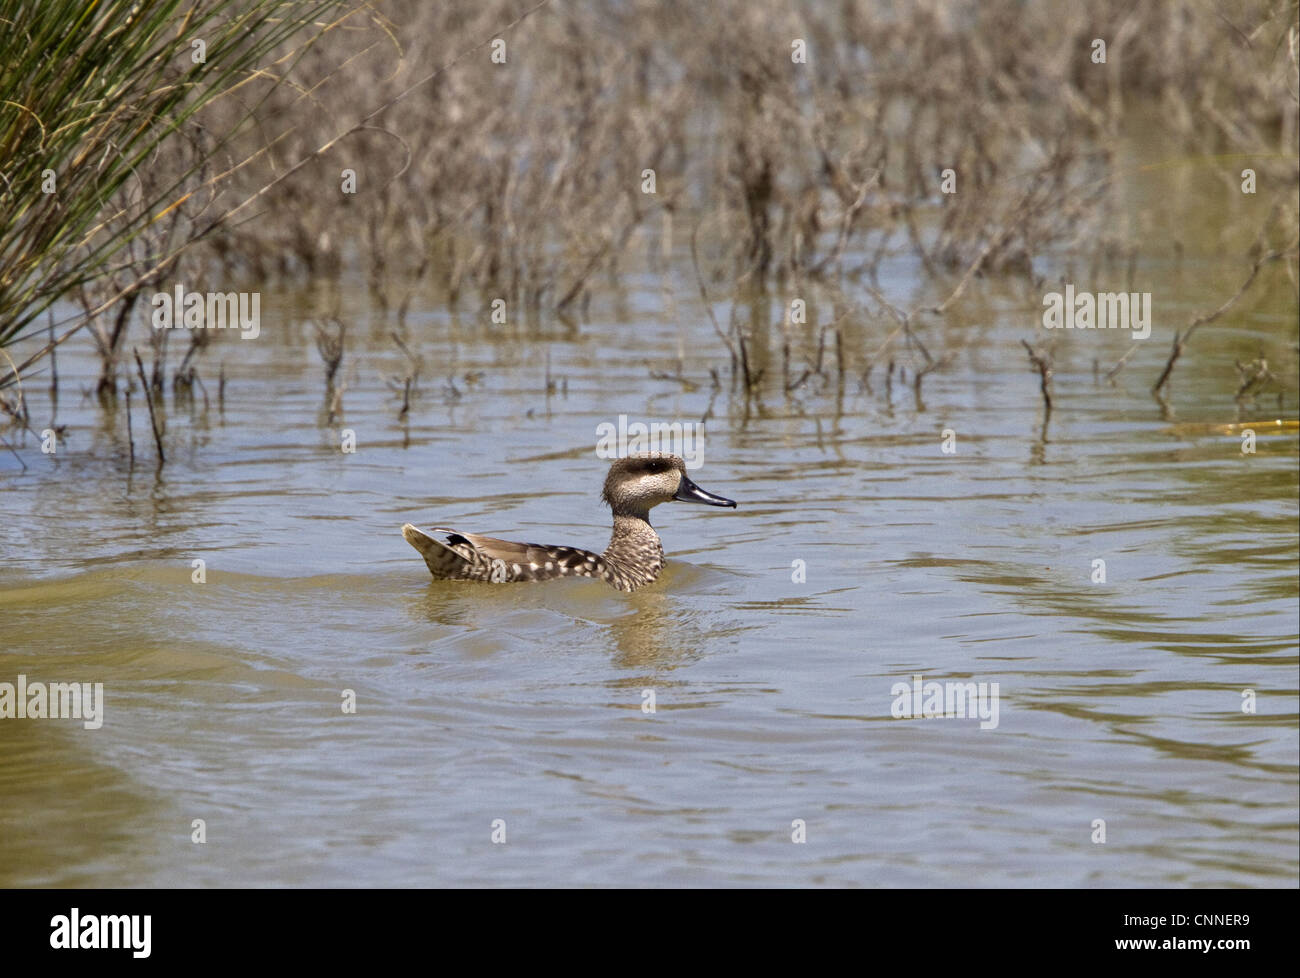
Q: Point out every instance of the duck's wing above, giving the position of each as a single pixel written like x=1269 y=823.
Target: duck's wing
x=473 y=556
x=531 y=561
x=446 y=562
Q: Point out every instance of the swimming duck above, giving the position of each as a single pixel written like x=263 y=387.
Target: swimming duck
x=634 y=556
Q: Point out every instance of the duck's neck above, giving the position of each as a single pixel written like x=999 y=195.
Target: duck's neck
x=634 y=555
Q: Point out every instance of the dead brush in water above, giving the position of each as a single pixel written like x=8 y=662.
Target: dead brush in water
x=800 y=146
x=974 y=138
x=330 y=337
x=526 y=180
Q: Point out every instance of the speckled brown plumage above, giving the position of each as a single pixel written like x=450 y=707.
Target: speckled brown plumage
x=633 y=558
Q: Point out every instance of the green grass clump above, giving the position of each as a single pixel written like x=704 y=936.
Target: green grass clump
x=98 y=141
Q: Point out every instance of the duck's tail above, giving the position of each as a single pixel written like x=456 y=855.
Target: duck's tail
x=445 y=564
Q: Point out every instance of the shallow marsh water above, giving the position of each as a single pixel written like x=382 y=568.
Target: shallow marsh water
x=1118 y=701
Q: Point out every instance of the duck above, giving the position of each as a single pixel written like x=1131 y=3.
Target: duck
x=635 y=556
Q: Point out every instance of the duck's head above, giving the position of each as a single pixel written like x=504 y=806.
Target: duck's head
x=638 y=482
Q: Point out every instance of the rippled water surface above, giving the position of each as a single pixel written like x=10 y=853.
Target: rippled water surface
x=1120 y=701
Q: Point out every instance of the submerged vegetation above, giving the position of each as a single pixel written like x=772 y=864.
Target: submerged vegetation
x=530 y=154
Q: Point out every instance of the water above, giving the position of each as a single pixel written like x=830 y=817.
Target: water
x=1119 y=701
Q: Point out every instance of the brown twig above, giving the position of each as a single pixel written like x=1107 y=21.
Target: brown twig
x=1113 y=372
x=330 y=347
x=148 y=399
x=1181 y=338
x=1042 y=360
x=130 y=435
x=1253 y=375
